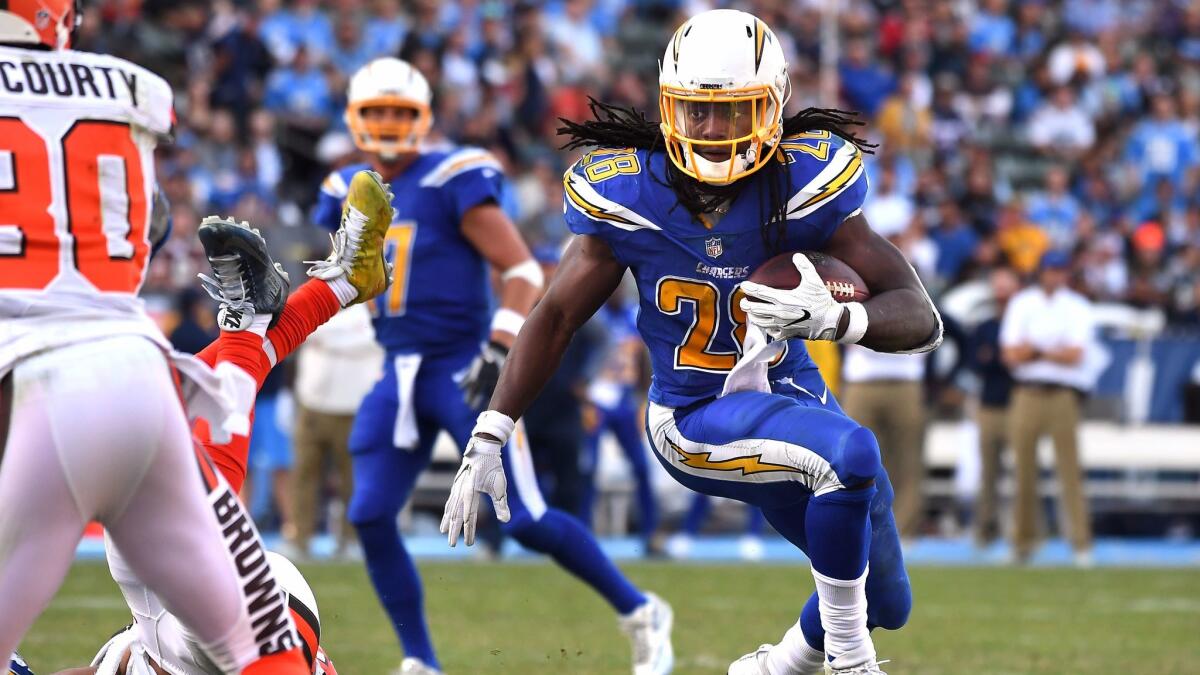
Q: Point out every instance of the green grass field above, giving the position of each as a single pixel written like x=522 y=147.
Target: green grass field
x=532 y=618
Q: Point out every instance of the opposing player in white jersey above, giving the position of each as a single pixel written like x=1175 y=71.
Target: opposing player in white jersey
x=92 y=425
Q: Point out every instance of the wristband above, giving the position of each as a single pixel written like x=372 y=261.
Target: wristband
x=857 y=328
x=507 y=321
x=495 y=424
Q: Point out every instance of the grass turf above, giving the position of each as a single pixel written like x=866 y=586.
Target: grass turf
x=532 y=618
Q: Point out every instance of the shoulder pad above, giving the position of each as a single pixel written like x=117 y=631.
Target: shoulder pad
x=337 y=183
x=458 y=162
x=604 y=186
x=822 y=165
x=149 y=98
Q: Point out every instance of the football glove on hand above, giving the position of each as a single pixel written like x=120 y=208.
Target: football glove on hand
x=481 y=471
x=480 y=378
x=807 y=311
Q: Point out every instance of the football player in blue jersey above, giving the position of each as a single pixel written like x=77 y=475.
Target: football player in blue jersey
x=692 y=206
x=448 y=228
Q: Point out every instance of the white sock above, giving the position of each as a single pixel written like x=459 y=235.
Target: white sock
x=345 y=292
x=794 y=656
x=844 y=618
x=259 y=325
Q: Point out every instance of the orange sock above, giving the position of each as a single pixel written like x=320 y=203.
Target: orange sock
x=307 y=308
x=290 y=662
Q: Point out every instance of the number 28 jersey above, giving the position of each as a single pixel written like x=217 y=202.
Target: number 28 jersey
x=687 y=269
x=77 y=138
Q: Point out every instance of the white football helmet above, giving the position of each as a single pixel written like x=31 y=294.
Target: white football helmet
x=303 y=606
x=722 y=85
x=388 y=83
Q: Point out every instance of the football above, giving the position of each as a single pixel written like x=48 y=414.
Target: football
x=843 y=282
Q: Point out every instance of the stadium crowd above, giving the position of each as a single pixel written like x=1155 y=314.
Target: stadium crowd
x=1005 y=128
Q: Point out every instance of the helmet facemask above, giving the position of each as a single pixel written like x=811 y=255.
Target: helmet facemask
x=389 y=126
x=720 y=135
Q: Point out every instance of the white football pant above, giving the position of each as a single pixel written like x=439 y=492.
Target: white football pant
x=96 y=431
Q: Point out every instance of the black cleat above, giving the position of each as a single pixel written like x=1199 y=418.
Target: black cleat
x=247 y=282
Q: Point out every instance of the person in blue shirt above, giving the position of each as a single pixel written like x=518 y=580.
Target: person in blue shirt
x=443 y=357
x=691 y=207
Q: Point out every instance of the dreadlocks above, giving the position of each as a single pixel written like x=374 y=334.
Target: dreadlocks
x=622 y=127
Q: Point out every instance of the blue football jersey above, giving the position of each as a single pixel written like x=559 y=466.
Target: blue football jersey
x=439 y=300
x=687 y=269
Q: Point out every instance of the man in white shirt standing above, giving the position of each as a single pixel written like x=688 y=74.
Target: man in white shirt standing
x=1044 y=337
x=337 y=367
x=885 y=393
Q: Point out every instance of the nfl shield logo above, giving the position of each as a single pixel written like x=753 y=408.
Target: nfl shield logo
x=713 y=247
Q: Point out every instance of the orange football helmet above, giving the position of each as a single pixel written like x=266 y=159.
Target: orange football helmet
x=45 y=23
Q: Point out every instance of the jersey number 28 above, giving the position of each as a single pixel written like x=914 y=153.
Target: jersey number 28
x=696 y=350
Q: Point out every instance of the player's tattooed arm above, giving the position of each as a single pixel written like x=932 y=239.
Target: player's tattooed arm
x=586 y=277
x=900 y=315
x=497 y=240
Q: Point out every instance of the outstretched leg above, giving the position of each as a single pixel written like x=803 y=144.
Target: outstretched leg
x=384 y=477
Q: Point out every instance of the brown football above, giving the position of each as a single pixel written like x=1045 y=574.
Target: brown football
x=842 y=281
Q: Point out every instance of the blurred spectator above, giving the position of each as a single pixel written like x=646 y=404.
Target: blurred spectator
x=269 y=466
x=993 y=31
x=299 y=94
x=1060 y=127
x=1149 y=279
x=956 y=243
x=197 y=323
x=949 y=127
x=384 y=28
x=1022 y=242
x=992 y=414
x=888 y=210
x=1076 y=59
x=1044 y=337
x=336 y=367
x=350 y=51
x=1055 y=210
x=865 y=82
x=1160 y=147
x=983 y=103
x=579 y=45
x=904 y=124
x=288 y=30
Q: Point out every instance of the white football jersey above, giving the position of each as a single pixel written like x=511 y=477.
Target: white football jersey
x=77 y=138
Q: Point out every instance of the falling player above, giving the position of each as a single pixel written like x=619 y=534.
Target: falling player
x=93 y=423
x=449 y=228
x=692 y=207
x=261 y=325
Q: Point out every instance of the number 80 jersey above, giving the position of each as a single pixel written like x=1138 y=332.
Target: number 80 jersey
x=77 y=138
x=687 y=269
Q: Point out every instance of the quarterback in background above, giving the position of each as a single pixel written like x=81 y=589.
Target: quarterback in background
x=692 y=206
x=94 y=404
x=443 y=358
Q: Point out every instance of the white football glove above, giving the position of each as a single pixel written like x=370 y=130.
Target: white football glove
x=481 y=471
x=807 y=311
